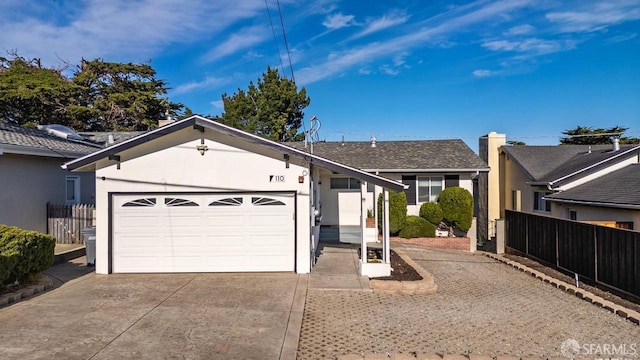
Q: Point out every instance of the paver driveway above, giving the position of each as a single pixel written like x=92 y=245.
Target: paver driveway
x=157 y=316
x=481 y=307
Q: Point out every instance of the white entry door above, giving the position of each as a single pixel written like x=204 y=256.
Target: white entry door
x=203 y=233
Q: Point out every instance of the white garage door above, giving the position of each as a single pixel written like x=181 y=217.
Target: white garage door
x=203 y=233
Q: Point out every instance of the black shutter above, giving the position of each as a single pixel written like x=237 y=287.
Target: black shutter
x=411 y=191
x=451 y=181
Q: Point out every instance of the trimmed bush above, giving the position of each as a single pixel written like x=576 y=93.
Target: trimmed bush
x=432 y=212
x=24 y=254
x=415 y=227
x=397 y=211
x=457 y=207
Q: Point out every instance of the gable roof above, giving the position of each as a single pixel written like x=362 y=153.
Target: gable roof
x=401 y=156
x=616 y=189
x=560 y=164
x=200 y=123
x=16 y=139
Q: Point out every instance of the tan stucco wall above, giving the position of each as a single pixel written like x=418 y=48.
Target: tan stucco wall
x=513 y=178
x=230 y=165
x=27 y=183
x=490 y=153
x=594 y=213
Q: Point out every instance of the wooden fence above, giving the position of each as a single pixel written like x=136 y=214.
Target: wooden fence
x=65 y=222
x=604 y=255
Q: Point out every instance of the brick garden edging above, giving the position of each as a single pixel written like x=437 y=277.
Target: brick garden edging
x=425 y=286
x=583 y=294
x=44 y=283
x=446 y=243
x=402 y=356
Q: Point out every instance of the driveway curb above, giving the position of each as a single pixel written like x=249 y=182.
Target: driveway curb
x=425 y=286
x=292 y=336
x=583 y=294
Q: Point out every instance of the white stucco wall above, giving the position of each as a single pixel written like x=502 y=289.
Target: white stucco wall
x=28 y=182
x=342 y=207
x=172 y=164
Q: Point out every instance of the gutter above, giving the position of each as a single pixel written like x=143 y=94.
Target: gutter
x=23 y=150
x=594 y=203
x=425 y=170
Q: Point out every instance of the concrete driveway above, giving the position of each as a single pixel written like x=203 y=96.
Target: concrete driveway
x=186 y=316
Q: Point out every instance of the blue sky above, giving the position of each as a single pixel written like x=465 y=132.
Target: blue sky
x=397 y=70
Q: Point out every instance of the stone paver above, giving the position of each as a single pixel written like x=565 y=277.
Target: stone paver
x=482 y=307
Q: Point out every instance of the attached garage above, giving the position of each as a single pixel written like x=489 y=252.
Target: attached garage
x=230 y=232
x=200 y=196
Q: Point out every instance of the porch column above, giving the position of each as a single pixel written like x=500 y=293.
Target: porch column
x=385 y=228
x=363 y=221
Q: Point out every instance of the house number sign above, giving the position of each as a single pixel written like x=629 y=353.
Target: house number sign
x=276 y=178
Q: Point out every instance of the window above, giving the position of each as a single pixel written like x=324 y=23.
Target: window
x=235 y=201
x=262 y=201
x=573 y=215
x=540 y=204
x=173 y=202
x=345 y=183
x=72 y=190
x=429 y=188
x=146 y=202
x=624 y=225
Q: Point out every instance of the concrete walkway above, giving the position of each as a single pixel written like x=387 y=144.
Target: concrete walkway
x=337 y=269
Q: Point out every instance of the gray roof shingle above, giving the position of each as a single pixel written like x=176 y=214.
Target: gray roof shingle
x=34 y=139
x=446 y=155
x=619 y=189
x=552 y=163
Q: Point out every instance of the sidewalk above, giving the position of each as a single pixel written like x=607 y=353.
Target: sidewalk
x=337 y=269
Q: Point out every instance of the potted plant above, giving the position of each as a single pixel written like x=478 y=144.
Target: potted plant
x=371 y=221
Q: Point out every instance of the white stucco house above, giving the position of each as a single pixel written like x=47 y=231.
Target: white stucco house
x=200 y=196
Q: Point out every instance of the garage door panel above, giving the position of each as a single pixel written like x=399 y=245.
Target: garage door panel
x=186 y=233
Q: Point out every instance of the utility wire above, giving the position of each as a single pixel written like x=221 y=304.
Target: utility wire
x=275 y=39
x=286 y=43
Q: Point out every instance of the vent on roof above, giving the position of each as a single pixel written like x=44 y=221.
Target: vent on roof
x=60 y=131
x=373 y=141
x=616 y=144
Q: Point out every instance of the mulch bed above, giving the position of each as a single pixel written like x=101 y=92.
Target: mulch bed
x=628 y=303
x=401 y=271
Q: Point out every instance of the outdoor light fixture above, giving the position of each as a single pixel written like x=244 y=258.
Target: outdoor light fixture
x=202 y=147
x=115 y=158
x=286 y=160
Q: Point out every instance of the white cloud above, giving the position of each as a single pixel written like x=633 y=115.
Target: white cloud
x=597 y=16
x=624 y=37
x=520 y=30
x=207 y=83
x=390 y=19
x=243 y=39
x=364 y=71
x=337 y=21
x=484 y=73
x=340 y=62
x=533 y=45
x=218 y=104
x=133 y=30
x=389 y=71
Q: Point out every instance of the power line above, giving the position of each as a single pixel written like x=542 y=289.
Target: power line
x=286 y=43
x=275 y=39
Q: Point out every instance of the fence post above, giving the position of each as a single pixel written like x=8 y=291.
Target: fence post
x=500 y=236
x=595 y=253
x=557 y=245
x=526 y=235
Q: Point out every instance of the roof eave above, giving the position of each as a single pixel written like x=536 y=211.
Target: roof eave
x=434 y=170
x=595 y=203
x=26 y=150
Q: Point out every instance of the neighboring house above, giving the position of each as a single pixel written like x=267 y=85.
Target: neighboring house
x=610 y=200
x=200 y=196
x=543 y=179
x=31 y=177
x=426 y=166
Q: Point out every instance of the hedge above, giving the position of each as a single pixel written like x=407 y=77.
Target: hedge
x=397 y=211
x=432 y=212
x=416 y=227
x=23 y=253
x=457 y=207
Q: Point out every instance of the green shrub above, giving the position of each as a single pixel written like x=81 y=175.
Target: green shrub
x=24 y=254
x=432 y=212
x=397 y=211
x=457 y=207
x=415 y=227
